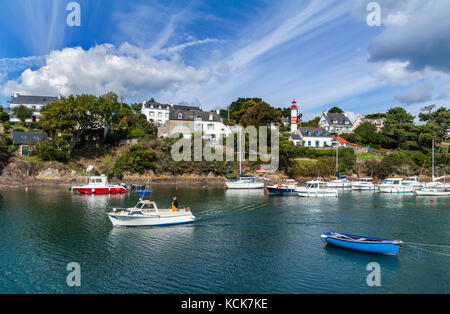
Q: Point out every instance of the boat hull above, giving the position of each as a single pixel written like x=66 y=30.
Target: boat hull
x=395 y=190
x=356 y=187
x=244 y=185
x=316 y=193
x=431 y=193
x=141 y=221
x=99 y=191
x=283 y=191
x=385 y=247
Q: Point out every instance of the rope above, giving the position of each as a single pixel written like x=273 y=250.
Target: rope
x=423 y=244
x=433 y=251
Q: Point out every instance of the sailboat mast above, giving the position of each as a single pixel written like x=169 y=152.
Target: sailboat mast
x=240 y=153
x=432 y=167
x=337 y=162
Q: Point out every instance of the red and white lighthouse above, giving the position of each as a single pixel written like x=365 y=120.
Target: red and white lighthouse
x=294 y=117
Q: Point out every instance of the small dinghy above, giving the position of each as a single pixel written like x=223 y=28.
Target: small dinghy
x=362 y=243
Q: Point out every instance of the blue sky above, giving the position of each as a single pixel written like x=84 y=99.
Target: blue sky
x=210 y=52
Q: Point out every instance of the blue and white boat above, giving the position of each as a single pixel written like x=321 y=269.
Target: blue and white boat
x=362 y=243
x=286 y=187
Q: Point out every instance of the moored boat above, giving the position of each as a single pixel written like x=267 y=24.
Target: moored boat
x=244 y=182
x=286 y=187
x=146 y=213
x=394 y=186
x=341 y=183
x=431 y=192
x=316 y=189
x=362 y=243
x=99 y=185
x=413 y=182
x=364 y=184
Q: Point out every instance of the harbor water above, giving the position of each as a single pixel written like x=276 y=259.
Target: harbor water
x=242 y=242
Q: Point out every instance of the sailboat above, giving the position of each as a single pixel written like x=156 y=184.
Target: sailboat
x=434 y=188
x=341 y=182
x=244 y=182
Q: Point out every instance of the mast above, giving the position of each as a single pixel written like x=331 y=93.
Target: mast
x=432 y=167
x=337 y=162
x=240 y=153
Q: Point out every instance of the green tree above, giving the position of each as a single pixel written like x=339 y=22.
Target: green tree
x=335 y=110
x=440 y=118
x=136 y=159
x=52 y=150
x=4 y=153
x=399 y=125
x=260 y=114
x=22 y=113
x=136 y=107
x=314 y=123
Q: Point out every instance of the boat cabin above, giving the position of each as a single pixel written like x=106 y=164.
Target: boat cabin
x=99 y=180
x=365 y=180
x=411 y=179
x=392 y=182
x=316 y=185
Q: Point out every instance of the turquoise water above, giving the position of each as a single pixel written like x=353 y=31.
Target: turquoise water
x=243 y=242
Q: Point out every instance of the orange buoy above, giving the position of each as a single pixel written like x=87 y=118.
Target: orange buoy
x=432 y=200
x=356 y=200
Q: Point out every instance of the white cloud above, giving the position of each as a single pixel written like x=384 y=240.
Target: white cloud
x=396 y=73
x=126 y=70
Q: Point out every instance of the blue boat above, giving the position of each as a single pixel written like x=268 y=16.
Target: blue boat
x=141 y=193
x=362 y=243
x=286 y=187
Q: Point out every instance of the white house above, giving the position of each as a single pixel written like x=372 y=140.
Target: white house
x=315 y=137
x=32 y=102
x=155 y=112
x=336 y=123
x=185 y=120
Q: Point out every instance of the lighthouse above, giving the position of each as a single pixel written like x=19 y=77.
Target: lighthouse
x=294 y=117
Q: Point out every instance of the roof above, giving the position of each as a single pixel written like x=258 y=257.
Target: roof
x=191 y=115
x=339 y=117
x=20 y=138
x=314 y=132
x=342 y=140
x=295 y=137
x=32 y=100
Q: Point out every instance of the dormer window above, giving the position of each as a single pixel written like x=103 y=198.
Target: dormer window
x=335 y=121
x=325 y=133
x=210 y=117
x=180 y=116
x=309 y=133
x=317 y=133
x=346 y=122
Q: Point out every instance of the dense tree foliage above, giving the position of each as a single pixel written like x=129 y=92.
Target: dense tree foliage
x=336 y=110
x=22 y=113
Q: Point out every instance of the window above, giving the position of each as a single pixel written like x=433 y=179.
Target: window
x=309 y=143
x=325 y=143
x=167 y=116
x=180 y=116
x=317 y=133
x=317 y=144
x=191 y=126
x=210 y=127
x=159 y=114
x=210 y=117
x=309 y=133
x=325 y=133
x=152 y=114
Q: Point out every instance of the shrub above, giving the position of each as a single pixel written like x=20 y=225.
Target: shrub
x=136 y=159
x=51 y=150
x=137 y=133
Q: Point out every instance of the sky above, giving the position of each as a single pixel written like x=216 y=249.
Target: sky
x=211 y=52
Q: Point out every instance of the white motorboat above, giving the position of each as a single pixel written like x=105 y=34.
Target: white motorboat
x=340 y=184
x=431 y=192
x=394 y=185
x=413 y=182
x=364 y=184
x=317 y=189
x=244 y=183
x=146 y=213
x=286 y=187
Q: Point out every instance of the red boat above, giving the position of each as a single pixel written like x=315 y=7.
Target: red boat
x=99 y=185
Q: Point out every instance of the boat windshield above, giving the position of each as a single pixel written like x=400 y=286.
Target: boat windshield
x=312 y=185
x=139 y=205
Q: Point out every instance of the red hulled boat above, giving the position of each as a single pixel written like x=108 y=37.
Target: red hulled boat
x=99 y=185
